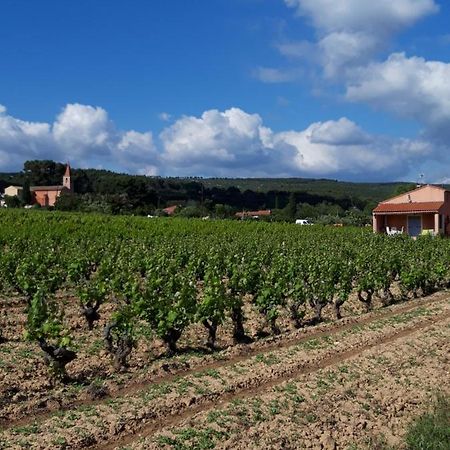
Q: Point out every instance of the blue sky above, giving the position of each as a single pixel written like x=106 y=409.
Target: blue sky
x=353 y=90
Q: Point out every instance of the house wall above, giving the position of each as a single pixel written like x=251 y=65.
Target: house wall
x=428 y=222
x=400 y=221
x=13 y=191
x=397 y=221
x=40 y=197
x=425 y=194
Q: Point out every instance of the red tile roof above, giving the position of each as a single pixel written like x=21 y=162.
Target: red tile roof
x=46 y=188
x=413 y=207
x=67 y=172
x=170 y=210
x=264 y=212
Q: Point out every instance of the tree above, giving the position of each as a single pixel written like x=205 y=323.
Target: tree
x=68 y=201
x=291 y=207
x=403 y=188
x=27 y=198
x=44 y=173
x=12 y=201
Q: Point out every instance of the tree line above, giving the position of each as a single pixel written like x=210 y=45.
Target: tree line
x=116 y=193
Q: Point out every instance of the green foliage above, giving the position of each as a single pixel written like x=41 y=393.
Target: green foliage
x=13 y=201
x=27 y=197
x=431 y=431
x=164 y=274
x=105 y=192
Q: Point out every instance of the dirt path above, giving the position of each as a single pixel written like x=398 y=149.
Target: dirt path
x=143 y=410
x=262 y=385
x=236 y=354
x=365 y=402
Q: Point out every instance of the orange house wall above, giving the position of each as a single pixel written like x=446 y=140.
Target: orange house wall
x=396 y=221
x=428 y=222
x=425 y=194
x=52 y=196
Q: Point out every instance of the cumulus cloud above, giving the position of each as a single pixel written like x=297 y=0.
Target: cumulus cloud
x=350 y=37
x=165 y=117
x=381 y=16
x=273 y=75
x=341 y=147
x=408 y=87
x=235 y=143
x=351 y=32
x=230 y=143
x=82 y=134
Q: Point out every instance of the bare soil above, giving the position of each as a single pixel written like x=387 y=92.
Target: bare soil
x=293 y=391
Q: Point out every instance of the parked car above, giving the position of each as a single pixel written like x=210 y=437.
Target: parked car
x=303 y=222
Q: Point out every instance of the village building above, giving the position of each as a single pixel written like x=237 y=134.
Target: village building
x=171 y=210
x=44 y=195
x=425 y=210
x=47 y=195
x=12 y=191
x=253 y=214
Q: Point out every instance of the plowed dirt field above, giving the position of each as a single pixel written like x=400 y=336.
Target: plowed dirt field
x=341 y=385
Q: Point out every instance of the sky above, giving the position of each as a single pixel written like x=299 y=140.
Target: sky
x=351 y=90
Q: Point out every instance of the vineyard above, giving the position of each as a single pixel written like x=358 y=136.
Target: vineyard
x=96 y=306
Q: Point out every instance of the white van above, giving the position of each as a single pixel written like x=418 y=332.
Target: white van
x=303 y=222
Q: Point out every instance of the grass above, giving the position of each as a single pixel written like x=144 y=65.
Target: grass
x=431 y=431
x=268 y=360
x=29 y=429
x=192 y=439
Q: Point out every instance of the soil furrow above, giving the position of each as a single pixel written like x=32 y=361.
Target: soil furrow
x=244 y=353
x=216 y=400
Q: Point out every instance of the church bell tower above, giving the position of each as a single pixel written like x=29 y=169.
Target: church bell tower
x=67 y=181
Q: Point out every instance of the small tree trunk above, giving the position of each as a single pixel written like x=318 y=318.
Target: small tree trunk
x=57 y=358
x=367 y=300
x=107 y=336
x=318 y=307
x=211 y=326
x=120 y=349
x=337 y=308
x=386 y=297
x=296 y=316
x=237 y=317
x=91 y=315
x=274 y=327
x=121 y=352
x=170 y=339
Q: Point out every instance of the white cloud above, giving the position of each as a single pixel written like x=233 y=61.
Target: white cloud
x=340 y=132
x=341 y=147
x=227 y=143
x=408 y=87
x=83 y=129
x=380 y=16
x=165 y=117
x=82 y=134
x=234 y=143
x=351 y=32
x=218 y=143
x=272 y=75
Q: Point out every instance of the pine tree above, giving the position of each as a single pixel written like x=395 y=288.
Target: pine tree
x=26 y=193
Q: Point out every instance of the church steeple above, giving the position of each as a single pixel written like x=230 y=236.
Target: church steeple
x=67 y=181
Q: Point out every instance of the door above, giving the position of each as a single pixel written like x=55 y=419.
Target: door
x=414 y=225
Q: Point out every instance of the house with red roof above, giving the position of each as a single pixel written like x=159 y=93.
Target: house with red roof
x=425 y=210
x=170 y=210
x=254 y=214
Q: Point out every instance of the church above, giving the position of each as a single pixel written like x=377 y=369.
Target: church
x=47 y=195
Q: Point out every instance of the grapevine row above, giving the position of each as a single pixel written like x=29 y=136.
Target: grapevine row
x=162 y=276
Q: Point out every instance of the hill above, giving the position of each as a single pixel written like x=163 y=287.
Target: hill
x=118 y=193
